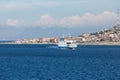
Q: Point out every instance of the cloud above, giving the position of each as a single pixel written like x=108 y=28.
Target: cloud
x=14 y=22
x=12 y=5
x=87 y=19
x=26 y=4
x=47 y=20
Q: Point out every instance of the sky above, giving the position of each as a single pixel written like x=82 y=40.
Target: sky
x=53 y=18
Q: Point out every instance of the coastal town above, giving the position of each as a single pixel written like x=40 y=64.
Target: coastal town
x=111 y=35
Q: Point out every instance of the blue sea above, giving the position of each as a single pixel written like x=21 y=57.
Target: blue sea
x=47 y=62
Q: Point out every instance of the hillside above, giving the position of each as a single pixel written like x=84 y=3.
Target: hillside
x=107 y=35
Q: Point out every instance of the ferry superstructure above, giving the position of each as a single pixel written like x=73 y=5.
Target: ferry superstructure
x=71 y=44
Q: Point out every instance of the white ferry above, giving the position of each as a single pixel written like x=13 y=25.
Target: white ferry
x=71 y=44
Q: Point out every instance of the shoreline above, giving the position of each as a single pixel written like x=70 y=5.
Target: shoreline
x=86 y=43
x=100 y=43
x=27 y=43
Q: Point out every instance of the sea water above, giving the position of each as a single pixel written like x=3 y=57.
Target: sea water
x=47 y=62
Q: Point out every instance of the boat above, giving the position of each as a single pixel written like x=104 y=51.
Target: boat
x=64 y=43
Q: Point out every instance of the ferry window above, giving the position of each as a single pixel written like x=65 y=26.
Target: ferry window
x=68 y=43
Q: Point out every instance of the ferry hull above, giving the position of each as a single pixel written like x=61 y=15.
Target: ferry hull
x=70 y=44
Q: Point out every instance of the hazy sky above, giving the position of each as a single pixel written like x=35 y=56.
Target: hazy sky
x=38 y=18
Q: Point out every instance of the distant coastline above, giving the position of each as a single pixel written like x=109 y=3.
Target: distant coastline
x=86 y=43
x=105 y=37
x=100 y=43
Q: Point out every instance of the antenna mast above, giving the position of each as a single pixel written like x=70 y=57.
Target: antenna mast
x=118 y=17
